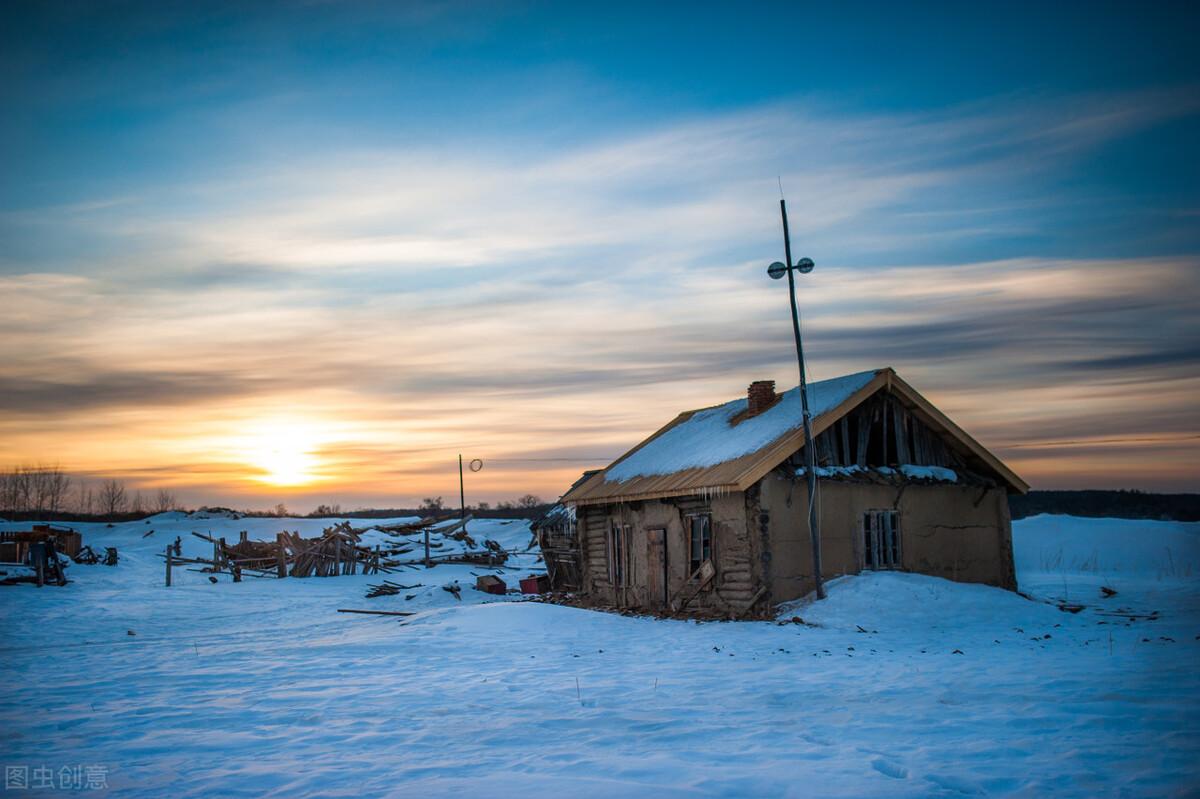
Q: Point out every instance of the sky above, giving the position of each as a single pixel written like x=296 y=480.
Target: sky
x=312 y=252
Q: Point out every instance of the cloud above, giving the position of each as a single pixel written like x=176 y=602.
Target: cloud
x=416 y=298
x=144 y=389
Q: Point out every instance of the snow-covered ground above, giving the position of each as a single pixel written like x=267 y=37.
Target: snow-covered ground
x=897 y=685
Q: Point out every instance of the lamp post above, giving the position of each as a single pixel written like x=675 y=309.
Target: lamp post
x=776 y=271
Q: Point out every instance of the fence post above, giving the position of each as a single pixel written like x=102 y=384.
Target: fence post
x=168 y=565
x=37 y=553
x=281 y=564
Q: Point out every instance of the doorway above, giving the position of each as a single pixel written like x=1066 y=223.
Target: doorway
x=658 y=586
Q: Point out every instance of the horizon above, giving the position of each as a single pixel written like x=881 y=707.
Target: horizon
x=307 y=254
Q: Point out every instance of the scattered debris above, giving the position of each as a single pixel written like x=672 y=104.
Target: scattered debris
x=388 y=588
x=490 y=584
x=86 y=556
x=14 y=544
x=37 y=554
x=338 y=550
x=454 y=588
x=1107 y=592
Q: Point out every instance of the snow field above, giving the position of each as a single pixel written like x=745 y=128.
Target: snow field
x=260 y=688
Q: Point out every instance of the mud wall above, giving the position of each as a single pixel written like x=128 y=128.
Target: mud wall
x=958 y=532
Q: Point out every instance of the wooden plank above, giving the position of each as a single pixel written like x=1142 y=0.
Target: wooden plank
x=694 y=585
x=377 y=612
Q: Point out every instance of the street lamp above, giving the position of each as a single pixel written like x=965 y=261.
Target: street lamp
x=777 y=270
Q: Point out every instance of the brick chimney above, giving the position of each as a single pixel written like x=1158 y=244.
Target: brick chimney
x=761 y=395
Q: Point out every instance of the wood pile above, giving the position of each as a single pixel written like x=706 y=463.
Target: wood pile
x=88 y=557
x=388 y=588
x=15 y=544
x=339 y=550
x=336 y=551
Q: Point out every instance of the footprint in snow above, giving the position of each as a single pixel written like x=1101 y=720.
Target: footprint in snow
x=889 y=768
x=955 y=784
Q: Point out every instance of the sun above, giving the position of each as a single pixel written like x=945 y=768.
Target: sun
x=285 y=452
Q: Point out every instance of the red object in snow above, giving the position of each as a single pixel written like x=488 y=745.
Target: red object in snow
x=491 y=584
x=535 y=585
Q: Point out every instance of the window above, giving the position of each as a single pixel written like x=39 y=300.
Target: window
x=881 y=539
x=701 y=540
x=618 y=555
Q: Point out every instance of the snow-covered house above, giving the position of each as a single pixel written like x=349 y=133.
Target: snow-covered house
x=710 y=514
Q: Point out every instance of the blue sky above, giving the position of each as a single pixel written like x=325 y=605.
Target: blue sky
x=538 y=230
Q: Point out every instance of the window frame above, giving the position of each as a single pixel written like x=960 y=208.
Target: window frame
x=882 y=539
x=706 y=541
x=619 y=535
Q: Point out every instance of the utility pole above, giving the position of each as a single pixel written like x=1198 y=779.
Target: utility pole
x=776 y=271
x=462 y=496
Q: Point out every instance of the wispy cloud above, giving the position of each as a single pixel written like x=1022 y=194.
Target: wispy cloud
x=418 y=299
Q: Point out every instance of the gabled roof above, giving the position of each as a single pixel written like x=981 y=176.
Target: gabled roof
x=712 y=451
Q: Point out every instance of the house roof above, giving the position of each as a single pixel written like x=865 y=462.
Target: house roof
x=560 y=512
x=713 y=450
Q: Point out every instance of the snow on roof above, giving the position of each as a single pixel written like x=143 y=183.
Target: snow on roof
x=708 y=438
x=558 y=514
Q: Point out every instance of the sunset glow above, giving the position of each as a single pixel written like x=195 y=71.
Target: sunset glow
x=310 y=295
x=284 y=453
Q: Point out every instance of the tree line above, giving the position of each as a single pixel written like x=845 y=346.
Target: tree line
x=49 y=490
x=42 y=491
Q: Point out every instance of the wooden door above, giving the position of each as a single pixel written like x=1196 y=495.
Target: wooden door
x=657 y=587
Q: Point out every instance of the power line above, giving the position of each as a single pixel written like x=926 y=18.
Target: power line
x=1086 y=441
x=601 y=459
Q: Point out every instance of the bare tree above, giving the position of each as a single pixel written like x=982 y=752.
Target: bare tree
x=433 y=504
x=53 y=485
x=41 y=489
x=113 y=497
x=85 y=500
x=18 y=489
x=10 y=490
x=529 y=501
x=281 y=510
x=164 y=501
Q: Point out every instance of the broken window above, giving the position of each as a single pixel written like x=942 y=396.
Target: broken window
x=701 y=538
x=881 y=539
x=618 y=554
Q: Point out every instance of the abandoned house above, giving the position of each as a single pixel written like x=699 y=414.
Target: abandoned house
x=710 y=514
x=558 y=540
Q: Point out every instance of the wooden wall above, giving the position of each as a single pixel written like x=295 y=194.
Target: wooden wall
x=734 y=552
